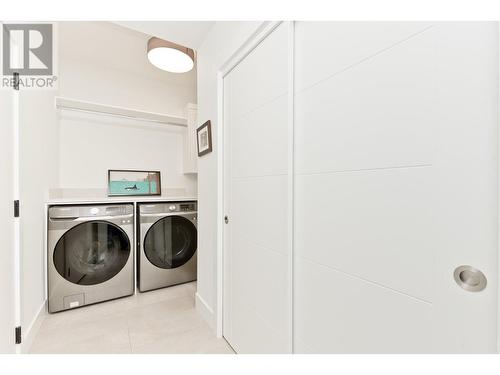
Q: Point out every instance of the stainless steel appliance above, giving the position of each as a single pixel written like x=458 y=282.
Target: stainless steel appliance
x=167 y=244
x=90 y=254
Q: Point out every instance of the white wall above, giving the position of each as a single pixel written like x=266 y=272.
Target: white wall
x=105 y=63
x=93 y=144
x=91 y=81
x=223 y=40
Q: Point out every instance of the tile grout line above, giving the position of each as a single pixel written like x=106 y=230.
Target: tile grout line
x=128 y=334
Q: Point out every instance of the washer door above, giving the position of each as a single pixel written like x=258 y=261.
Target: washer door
x=170 y=242
x=91 y=253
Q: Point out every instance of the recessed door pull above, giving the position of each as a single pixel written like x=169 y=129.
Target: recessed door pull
x=226 y=219
x=470 y=278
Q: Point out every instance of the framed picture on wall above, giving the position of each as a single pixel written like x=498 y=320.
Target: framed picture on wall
x=204 y=138
x=131 y=182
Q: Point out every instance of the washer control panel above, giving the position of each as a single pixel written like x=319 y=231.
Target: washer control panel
x=89 y=211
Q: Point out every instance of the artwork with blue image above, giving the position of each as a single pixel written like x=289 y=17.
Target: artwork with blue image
x=124 y=182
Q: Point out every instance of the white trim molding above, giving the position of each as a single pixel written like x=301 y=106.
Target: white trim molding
x=17 y=220
x=32 y=330
x=205 y=311
x=498 y=188
x=291 y=179
x=252 y=42
x=220 y=203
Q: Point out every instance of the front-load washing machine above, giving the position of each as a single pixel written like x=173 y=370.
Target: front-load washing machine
x=167 y=234
x=90 y=254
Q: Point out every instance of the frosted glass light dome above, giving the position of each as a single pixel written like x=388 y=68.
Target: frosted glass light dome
x=169 y=56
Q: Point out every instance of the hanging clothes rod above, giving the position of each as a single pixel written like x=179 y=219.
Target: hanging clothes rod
x=108 y=110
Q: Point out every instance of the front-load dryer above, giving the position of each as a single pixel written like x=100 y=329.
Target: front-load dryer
x=167 y=234
x=90 y=254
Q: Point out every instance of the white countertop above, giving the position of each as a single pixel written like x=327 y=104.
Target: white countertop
x=63 y=201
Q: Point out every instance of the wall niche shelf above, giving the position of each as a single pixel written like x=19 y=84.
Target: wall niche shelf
x=109 y=110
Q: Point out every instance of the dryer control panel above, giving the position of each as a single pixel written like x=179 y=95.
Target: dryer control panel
x=187 y=207
x=182 y=207
x=167 y=207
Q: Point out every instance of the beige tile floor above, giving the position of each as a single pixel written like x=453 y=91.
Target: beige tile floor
x=161 y=321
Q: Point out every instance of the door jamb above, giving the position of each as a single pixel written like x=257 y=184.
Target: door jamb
x=498 y=188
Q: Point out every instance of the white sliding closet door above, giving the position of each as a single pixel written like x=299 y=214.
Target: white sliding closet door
x=396 y=131
x=256 y=297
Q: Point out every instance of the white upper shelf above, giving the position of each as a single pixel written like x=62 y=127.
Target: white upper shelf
x=103 y=109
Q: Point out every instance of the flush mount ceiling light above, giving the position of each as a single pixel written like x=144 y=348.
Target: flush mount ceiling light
x=170 y=56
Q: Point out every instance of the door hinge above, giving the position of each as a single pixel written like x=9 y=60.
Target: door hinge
x=16 y=208
x=16 y=81
x=18 y=335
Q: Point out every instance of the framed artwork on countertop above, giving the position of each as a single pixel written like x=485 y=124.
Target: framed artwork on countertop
x=122 y=182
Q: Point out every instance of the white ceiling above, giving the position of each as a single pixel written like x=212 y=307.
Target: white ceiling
x=187 y=33
x=110 y=46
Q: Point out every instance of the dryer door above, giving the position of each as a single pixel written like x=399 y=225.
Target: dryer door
x=170 y=242
x=91 y=253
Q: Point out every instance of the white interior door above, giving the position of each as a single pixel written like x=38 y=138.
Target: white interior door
x=396 y=129
x=7 y=260
x=256 y=310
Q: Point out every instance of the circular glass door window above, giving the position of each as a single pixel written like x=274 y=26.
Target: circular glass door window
x=91 y=253
x=170 y=242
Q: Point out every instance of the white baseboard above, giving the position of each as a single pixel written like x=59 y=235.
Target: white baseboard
x=205 y=311
x=28 y=335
